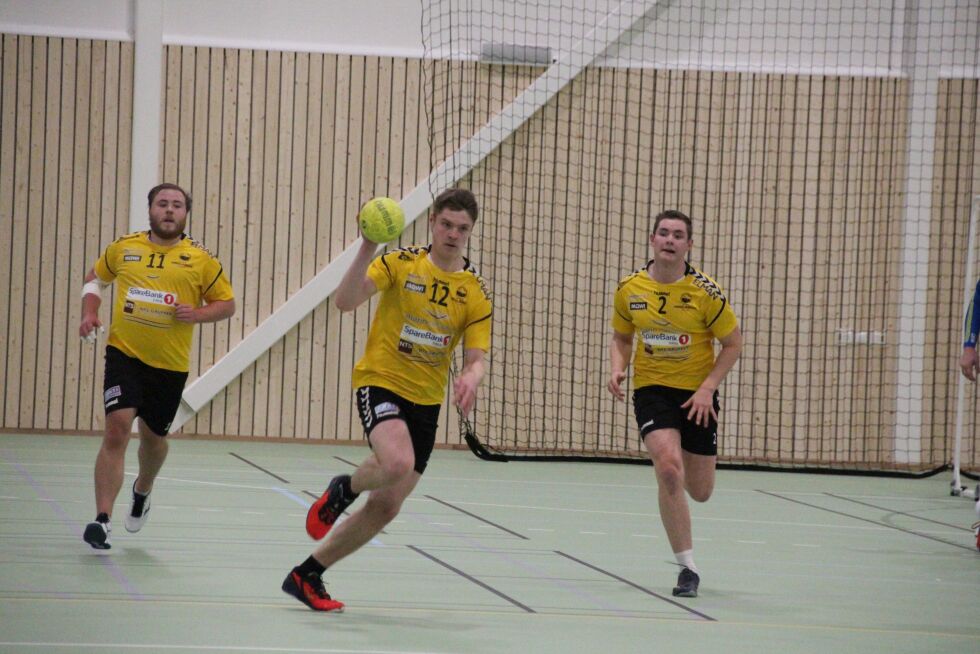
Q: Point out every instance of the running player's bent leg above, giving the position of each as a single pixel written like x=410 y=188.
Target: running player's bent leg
x=392 y=457
x=382 y=505
x=111 y=460
x=699 y=475
x=152 y=453
x=664 y=449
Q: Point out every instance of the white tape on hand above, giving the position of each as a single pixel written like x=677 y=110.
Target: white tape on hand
x=93 y=335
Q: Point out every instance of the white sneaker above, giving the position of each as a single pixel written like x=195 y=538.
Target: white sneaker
x=97 y=535
x=139 y=509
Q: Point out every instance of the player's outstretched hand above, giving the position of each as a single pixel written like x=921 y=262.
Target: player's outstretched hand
x=615 y=385
x=969 y=363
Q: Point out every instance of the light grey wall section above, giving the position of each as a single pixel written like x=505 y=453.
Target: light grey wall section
x=810 y=36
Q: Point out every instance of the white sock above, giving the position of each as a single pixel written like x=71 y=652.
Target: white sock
x=686 y=559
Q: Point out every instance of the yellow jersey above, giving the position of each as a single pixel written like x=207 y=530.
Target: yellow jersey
x=675 y=324
x=423 y=313
x=150 y=280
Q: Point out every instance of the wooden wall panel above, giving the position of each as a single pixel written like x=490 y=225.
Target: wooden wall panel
x=64 y=194
x=795 y=184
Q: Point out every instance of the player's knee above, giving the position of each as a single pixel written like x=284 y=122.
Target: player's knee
x=699 y=494
x=396 y=467
x=382 y=508
x=670 y=475
x=115 y=439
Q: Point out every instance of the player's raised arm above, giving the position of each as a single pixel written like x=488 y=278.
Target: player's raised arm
x=356 y=287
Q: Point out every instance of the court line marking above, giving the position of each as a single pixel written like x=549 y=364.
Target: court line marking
x=778 y=523
x=874 y=522
x=102 y=556
x=258 y=467
x=910 y=515
x=527 y=568
x=473 y=515
x=212 y=648
x=476 y=581
x=636 y=586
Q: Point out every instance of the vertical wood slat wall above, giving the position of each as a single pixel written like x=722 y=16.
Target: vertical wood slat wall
x=280 y=149
x=65 y=133
x=795 y=186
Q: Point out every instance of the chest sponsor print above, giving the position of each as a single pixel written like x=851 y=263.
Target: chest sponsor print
x=151 y=296
x=410 y=334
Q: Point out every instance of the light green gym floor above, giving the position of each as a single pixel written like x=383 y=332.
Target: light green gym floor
x=485 y=557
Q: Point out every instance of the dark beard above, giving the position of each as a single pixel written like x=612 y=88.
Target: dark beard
x=159 y=233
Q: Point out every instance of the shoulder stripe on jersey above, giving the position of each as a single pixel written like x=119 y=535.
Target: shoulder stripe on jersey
x=624 y=317
x=478 y=320
x=214 y=281
x=385 y=262
x=718 y=315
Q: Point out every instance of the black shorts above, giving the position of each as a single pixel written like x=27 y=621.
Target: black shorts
x=376 y=404
x=659 y=407
x=131 y=384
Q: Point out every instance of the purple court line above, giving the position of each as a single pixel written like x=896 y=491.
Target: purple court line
x=106 y=561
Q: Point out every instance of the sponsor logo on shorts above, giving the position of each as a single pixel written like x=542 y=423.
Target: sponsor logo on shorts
x=386 y=409
x=110 y=393
x=132 y=257
x=151 y=296
x=638 y=306
x=424 y=337
x=648 y=423
x=415 y=288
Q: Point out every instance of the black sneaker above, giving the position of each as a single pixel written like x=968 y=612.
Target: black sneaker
x=309 y=590
x=97 y=535
x=325 y=511
x=139 y=509
x=687 y=584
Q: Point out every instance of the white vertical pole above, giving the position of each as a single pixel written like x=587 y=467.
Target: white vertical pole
x=956 y=484
x=147 y=99
x=922 y=48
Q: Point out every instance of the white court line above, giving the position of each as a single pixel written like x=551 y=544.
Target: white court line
x=593 y=533
x=751 y=542
x=654 y=516
x=643 y=536
x=212 y=648
x=805 y=545
x=496 y=480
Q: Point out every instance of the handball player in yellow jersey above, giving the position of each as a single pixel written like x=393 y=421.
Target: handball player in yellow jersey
x=165 y=282
x=431 y=297
x=674 y=312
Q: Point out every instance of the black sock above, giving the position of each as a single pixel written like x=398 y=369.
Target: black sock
x=310 y=565
x=346 y=490
x=103 y=518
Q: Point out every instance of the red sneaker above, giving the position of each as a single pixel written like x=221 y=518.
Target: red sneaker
x=309 y=590
x=325 y=511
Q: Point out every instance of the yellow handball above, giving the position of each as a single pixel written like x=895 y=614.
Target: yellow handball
x=381 y=220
